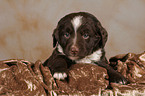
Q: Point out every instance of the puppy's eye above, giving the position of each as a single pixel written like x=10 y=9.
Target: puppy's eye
x=85 y=36
x=67 y=35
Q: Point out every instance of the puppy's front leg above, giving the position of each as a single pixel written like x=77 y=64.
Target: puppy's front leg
x=58 y=67
x=114 y=76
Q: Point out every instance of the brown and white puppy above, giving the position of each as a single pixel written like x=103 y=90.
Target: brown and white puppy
x=79 y=38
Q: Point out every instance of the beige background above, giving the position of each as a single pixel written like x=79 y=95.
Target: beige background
x=26 y=25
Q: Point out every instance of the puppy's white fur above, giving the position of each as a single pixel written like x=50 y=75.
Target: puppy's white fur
x=60 y=49
x=59 y=76
x=76 y=22
x=94 y=57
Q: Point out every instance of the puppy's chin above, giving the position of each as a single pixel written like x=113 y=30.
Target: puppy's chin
x=73 y=57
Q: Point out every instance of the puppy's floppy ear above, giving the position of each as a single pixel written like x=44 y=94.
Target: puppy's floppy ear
x=103 y=33
x=55 y=37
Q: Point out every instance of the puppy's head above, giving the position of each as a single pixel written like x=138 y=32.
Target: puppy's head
x=78 y=35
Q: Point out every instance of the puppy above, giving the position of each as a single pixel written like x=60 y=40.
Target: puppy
x=79 y=38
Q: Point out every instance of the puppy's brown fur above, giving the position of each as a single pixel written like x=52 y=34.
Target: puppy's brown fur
x=79 y=38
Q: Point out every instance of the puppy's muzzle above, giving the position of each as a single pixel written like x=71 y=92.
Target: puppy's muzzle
x=74 y=50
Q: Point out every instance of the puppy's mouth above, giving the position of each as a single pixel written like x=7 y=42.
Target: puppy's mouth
x=74 y=57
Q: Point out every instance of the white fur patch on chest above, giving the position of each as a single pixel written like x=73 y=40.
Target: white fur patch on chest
x=60 y=49
x=94 y=57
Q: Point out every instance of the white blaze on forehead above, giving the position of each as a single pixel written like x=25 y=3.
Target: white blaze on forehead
x=76 y=22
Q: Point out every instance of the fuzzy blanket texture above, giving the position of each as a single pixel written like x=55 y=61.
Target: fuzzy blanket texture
x=23 y=78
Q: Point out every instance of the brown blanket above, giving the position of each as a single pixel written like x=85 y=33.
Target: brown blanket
x=23 y=78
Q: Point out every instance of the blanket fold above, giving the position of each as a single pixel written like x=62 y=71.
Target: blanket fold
x=19 y=77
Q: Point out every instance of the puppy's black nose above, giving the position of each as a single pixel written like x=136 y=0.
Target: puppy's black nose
x=74 y=50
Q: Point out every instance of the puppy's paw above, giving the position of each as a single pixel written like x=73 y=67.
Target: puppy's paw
x=59 y=75
x=118 y=78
